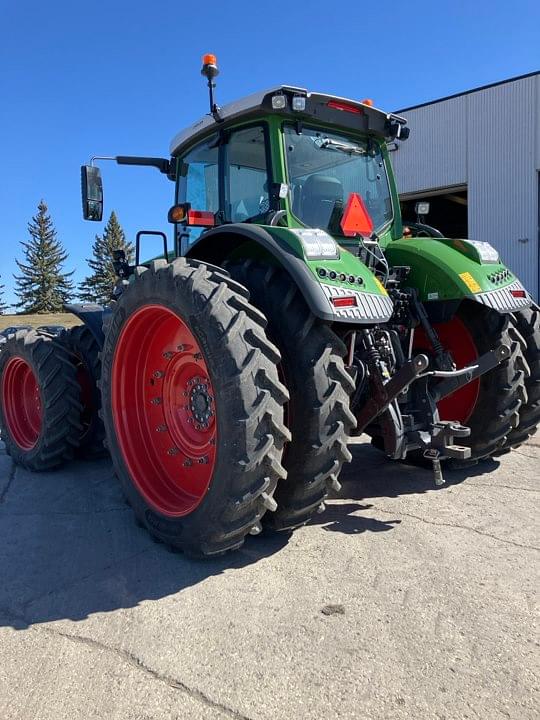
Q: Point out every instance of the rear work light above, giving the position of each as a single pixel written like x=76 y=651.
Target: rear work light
x=298 y=103
x=344 y=301
x=336 y=105
x=279 y=101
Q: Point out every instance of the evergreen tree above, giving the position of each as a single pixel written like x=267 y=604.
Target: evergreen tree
x=3 y=306
x=98 y=286
x=42 y=287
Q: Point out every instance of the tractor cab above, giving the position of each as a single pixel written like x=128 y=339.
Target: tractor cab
x=292 y=158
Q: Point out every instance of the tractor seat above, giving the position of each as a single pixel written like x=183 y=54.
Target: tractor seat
x=319 y=196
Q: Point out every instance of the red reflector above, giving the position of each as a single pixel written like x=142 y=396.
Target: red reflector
x=201 y=217
x=518 y=293
x=356 y=219
x=335 y=105
x=345 y=301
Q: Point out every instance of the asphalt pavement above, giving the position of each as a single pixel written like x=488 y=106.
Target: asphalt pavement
x=402 y=600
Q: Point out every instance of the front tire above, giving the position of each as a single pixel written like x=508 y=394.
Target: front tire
x=318 y=413
x=193 y=406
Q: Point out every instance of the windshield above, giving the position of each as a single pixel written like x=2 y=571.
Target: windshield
x=324 y=168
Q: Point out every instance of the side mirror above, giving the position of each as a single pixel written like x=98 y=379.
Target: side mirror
x=92 y=193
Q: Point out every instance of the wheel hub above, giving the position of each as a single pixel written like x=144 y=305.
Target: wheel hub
x=200 y=402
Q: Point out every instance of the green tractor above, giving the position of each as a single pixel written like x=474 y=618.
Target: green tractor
x=289 y=314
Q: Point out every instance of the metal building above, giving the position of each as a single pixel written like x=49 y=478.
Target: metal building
x=475 y=157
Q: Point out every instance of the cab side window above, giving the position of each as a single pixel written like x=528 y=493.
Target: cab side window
x=198 y=184
x=246 y=175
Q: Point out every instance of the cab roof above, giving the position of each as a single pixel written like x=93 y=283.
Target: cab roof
x=319 y=107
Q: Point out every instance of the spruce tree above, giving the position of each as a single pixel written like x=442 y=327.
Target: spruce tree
x=3 y=306
x=98 y=286
x=42 y=287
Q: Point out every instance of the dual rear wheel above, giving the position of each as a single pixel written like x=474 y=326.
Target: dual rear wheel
x=502 y=407
x=40 y=407
x=199 y=404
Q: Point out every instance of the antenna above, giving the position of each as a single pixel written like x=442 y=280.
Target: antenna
x=210 y=70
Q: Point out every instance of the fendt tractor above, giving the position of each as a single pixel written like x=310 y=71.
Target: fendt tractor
x=288 y=313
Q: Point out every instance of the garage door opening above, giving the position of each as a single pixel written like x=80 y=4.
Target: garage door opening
x=447 y=210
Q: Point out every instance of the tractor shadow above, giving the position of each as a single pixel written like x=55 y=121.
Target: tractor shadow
x=69 y=547
x=372 y=475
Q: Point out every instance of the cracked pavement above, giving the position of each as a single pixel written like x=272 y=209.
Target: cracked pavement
x=402 y=600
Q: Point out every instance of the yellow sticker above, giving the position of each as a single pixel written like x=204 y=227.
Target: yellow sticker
x=381 y=287
x=470 y=282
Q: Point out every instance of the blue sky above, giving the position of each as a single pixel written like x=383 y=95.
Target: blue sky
x=119 y=78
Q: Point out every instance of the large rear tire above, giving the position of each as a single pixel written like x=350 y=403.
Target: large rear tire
x=527 y=322
x=489 y=405
x=39 y=401
x=84 y=351
x=193 y=406
x=318 y=413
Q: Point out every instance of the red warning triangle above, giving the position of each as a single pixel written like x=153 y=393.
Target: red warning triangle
x=356 y=219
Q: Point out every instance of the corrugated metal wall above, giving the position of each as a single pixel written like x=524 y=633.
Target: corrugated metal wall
x=490 y=141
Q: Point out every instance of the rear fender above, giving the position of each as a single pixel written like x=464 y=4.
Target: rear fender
x=280 y=247
x=93 y=316
x=444 y=269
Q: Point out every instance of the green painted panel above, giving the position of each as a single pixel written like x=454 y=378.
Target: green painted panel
x=444 y=269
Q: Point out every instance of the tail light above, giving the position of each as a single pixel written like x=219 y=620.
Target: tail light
x=344 y=301
x=184 y=214
x=345 y=107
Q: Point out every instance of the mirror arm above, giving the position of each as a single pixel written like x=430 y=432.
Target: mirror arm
x=167 y=167
x=162 y=164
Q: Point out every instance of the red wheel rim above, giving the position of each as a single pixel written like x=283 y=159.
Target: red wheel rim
x=456 y=338
x=163 y=406
x=21 y=402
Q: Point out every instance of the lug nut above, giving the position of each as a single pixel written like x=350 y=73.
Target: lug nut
x=158 y=374
x=156 y=401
